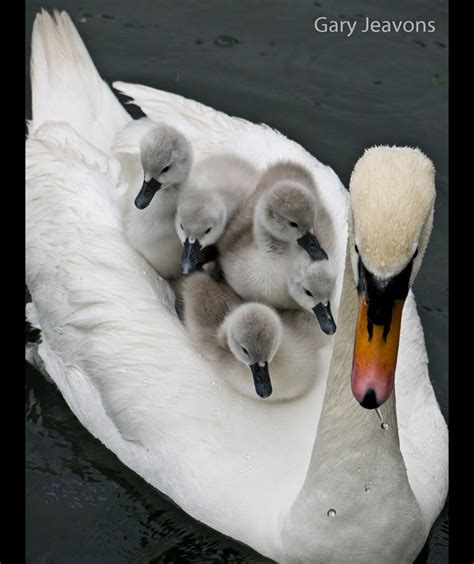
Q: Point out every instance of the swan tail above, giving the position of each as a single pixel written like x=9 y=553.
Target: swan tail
x=66 y=85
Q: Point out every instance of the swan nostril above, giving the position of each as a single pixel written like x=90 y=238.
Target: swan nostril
x=369 y=401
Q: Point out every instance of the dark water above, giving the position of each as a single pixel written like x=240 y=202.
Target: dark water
x=333 y=94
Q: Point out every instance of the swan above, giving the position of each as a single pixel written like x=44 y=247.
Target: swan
x=227 y=329
x=314 y=479
x=271 y=229
x=280 y=349
x=155 y=162
x=311 y=284
x=218 y=182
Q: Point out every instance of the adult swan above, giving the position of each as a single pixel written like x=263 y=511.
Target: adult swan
x=310 y=480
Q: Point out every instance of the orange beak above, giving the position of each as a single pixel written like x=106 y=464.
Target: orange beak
x=375 y=356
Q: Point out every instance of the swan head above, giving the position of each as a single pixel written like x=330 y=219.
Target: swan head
x=253 y=333
x=392 y=195
x=288 y=213
x=200 y=221
x=166 y=158
x=311 y=284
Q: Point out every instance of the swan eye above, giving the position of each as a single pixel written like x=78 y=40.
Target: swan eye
x=293 y=224
x=166 y=169
x=207 y=230
x=356 y=248
x=308 y=293
x=245 y=351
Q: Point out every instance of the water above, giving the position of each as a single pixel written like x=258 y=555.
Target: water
x=335 y=95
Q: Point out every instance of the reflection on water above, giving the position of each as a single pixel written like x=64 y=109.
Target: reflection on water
x=264 y=62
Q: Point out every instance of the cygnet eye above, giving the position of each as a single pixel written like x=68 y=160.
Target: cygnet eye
x=416 y=253
x=166 y=169
x=207 y=230
x=356 y=248
x=293 y=224
x=245 y=350
x=308 y=293
x=181 y=225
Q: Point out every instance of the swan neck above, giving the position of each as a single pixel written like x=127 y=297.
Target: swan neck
x=356 y=500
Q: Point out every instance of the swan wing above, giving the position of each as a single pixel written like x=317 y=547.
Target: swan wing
x=112 y=343
x=213 y=131
x=422 y=429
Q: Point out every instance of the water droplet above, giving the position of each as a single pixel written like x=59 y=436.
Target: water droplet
x=358 y=469
x=143 y=271
x=367 y=489
x=145 y=381
x=53 y=323
x=331 y=513
x=173 y=404
x=130 y=410
x=213 y=383
x=383 y=425
x=423 y=444
x=199 y=355
x=247 y=456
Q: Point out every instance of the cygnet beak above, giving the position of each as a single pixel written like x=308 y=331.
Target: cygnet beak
x=190 y=256
x=145 y=196
x=311 y=245
x=261 y=379
x=325 y=318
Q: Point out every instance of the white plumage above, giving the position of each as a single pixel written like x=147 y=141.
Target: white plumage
x=115 y=348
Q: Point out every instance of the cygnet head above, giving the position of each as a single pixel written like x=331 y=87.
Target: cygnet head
x=311 y=284
x=253 y=333
x=200 y=221
x=287 y=212
x=166 y=157
x=392 y=196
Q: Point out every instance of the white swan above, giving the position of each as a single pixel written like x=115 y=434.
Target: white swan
x=300 y=481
